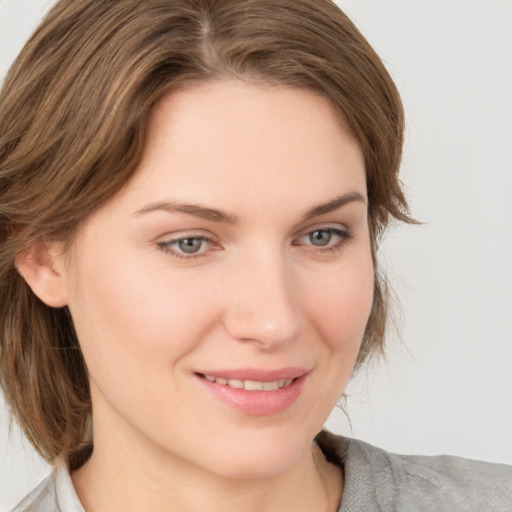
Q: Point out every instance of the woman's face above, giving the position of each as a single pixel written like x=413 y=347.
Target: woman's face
x=221 y=298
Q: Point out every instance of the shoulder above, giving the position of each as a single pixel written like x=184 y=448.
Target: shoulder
x=388 y=481
x=54 y=494
x=42 y=498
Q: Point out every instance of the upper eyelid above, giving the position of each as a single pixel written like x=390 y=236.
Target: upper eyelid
x=342 y=233
x=338 y=226
x=210 y=237
x=173 y=240
x=185 y=233
x=198 y=232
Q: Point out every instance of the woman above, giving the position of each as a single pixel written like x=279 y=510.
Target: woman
x=192 y=194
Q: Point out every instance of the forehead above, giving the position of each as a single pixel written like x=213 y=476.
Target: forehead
x=227 y=142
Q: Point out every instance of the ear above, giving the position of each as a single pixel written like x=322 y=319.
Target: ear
x=42 y=267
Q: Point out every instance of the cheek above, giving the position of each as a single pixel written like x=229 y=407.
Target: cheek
x=130 y=317
x=342 y=305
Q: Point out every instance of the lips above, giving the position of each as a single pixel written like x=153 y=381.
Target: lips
x=256 y=392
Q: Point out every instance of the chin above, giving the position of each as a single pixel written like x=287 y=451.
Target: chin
x=253 y=458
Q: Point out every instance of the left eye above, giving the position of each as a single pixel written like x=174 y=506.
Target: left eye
x=320 y=237
x=325 y=237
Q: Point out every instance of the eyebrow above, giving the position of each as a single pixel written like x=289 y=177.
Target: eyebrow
x=336 y=203
x=215 y=215
x=191 y=209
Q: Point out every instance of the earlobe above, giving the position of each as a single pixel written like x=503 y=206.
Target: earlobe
x=42 y=268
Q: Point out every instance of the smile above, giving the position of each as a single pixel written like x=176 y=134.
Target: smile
x=250 y=385
x=256 y=392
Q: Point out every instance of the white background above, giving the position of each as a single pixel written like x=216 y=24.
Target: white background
x=447 y=384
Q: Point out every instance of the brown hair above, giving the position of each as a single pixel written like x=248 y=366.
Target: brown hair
x=73 y=112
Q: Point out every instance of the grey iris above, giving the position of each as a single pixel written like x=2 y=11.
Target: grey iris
x=190 y=245
x=320 y=237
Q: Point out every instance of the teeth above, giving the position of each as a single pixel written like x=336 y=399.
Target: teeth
x=250 y=385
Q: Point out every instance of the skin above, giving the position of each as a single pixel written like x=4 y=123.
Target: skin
x=260 y=292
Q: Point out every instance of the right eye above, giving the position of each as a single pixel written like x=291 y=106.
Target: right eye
x=186 y=247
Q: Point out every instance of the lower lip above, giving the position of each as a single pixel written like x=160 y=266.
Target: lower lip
x=257 y=403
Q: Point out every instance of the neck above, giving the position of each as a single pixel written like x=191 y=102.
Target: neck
x=141 y=480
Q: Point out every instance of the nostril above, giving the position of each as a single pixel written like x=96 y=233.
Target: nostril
x=263 y=305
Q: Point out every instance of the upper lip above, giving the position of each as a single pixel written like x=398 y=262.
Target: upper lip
x=257 y=374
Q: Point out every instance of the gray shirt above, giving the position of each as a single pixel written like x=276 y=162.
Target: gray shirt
x=375 y=481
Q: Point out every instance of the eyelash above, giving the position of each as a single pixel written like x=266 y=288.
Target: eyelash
x=344 y=237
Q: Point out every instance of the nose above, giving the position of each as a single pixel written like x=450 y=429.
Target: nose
x=263 y=302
